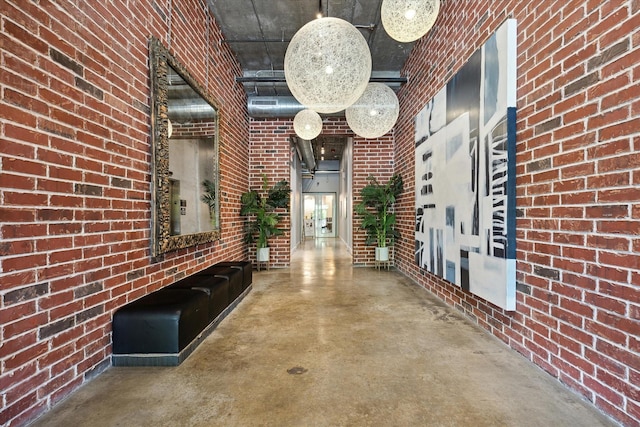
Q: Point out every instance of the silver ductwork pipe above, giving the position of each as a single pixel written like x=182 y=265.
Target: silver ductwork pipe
x=306 y=152
x=281 y=106
x=187 y=110
x=277 y=106
x=273 y=106
x=186 y=105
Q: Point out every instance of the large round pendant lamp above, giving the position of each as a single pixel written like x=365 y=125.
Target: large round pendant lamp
x=307 y=124
x=375 y=113
x=408 y=20
x=327 y=65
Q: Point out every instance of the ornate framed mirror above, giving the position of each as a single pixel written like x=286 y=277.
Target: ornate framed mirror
x=185 y=163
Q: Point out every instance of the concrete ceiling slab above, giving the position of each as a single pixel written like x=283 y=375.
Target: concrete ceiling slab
x=258 y=32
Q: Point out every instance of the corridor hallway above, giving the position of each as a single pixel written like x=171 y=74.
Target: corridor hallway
x=324 y=343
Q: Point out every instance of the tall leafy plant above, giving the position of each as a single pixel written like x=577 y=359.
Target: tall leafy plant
x=259 y=206
x=376 y=210
x=209 y=198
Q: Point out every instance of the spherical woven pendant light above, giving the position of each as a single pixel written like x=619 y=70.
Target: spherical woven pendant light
x=327 y=65
x=375 y=113
x=307 y=124
x=408 y=20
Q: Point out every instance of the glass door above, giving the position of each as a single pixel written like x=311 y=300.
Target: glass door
x=319 y=214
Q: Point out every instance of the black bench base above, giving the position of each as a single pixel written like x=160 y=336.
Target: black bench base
x=164 y=327
x=174 y=359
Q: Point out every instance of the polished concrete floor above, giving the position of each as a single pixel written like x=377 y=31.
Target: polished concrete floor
x=326 y=344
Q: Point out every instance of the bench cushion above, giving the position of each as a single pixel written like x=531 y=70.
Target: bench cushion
x=245 y=266
x=165 y=321
x=233 y=275
x=216 y=288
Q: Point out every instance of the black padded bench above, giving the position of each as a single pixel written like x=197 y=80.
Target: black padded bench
x=216 y=289
x=233 y=276
x=164 y=327
x=159 y=326
x=245 y=266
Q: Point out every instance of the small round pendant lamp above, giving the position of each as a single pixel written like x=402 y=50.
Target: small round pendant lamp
x=327 y=65
x=375 y=113
x=408 y=20
x=307 y=124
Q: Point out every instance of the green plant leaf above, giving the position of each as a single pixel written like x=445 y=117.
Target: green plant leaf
x=209 y=195
x=375 y=209
x=259 y=208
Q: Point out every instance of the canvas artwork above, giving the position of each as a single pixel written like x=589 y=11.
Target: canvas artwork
x=465 y=174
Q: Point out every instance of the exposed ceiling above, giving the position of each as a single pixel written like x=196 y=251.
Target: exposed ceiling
x=258 y=32
x=328 y=147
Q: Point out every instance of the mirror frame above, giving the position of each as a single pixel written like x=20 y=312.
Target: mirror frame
x=161 y=239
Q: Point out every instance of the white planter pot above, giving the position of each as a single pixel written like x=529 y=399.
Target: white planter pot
x=262 y=255
x=382 y=254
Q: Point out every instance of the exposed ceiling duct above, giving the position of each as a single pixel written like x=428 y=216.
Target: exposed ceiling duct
x=259 y=32
x=306 y=152
x=184 y=103
x=260 y=106
x=188 y=110
x=273 y=106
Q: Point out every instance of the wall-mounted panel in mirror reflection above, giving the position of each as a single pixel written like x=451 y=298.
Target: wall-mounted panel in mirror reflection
x=185 y=169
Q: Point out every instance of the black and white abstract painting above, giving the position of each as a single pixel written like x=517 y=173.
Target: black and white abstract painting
x=465 y=174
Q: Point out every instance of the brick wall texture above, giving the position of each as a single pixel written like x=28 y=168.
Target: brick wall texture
x=75 y=172
x=578 y=194
x=75 y=180
x=270 y=147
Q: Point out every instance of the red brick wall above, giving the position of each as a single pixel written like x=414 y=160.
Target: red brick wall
x=370 y=157
x=75 y=180
x=270 y=142
x=270 y=155
x=74 y=183
x=578 y=170
x=205 y=128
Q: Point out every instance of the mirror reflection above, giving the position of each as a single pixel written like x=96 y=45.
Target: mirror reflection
x=192 y=159
x=185 y=164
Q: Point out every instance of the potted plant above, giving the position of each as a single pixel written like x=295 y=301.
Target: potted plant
x=376 y=211
x=262 y=219
x=209 y=198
